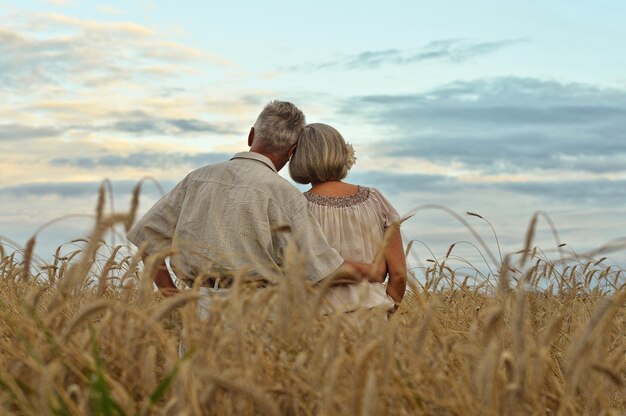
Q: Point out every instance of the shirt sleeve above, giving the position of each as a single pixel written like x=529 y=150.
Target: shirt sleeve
x=156 y=228
x=388 y=214
x=321 y=258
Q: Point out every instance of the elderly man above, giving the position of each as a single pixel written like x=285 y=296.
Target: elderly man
x=240 y=215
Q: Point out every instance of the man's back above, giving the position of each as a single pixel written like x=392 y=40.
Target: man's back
x=233 y=215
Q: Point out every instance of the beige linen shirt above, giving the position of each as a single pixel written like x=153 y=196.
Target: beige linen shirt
x=233 y=215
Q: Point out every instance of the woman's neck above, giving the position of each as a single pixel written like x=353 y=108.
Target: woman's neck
x=334 y=188
x=325 y=184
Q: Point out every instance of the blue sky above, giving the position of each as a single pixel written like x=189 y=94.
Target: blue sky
x=501 y=108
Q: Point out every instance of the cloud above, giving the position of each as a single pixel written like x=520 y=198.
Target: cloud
x=505 y=125
x=108 y=10
x=82 y=81
x=450 y=50
x=139 y=122
x=397 y=183
x=596 y=192
x=61 y=189
x=448 y=189
x=57 y=50
x=60 y=3
x=142 y=160
x=10 y=132
x=114 y=29
x=78 y=189
x=132 y=123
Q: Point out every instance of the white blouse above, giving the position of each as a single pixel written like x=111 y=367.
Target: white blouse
x=355 y=225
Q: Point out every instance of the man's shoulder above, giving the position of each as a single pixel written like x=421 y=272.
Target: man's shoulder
x=285 y=187
x=207 y=169
x=286 y=196
x=282 y=184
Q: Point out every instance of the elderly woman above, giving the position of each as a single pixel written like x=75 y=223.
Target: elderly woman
x=354 y=218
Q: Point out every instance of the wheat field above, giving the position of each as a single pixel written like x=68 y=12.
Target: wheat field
x=88 y=334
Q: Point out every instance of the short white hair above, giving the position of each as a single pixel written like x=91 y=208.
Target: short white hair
x=278 y=126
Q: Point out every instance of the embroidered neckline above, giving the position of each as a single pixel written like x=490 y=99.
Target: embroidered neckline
x=361 y=196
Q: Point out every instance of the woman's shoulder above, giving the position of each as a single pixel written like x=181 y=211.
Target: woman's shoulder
x=387 y=210
x=378 y=196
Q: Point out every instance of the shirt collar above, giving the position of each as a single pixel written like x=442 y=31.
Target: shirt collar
x=256 y=156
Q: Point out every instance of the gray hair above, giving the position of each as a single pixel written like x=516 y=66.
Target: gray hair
x=321 y=155
x=278 y=126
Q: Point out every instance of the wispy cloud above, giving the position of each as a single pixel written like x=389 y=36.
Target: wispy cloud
x=77 y=189
x=133 y=123
x=16 y=132
x=139 y=122
x=60 y=3
x=44 y=49
x=142 y=160
x=596 y=192
x=108 y=10
x=401 y=183
x=447 y=50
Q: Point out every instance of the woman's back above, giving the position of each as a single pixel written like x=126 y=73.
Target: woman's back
x=354 y=225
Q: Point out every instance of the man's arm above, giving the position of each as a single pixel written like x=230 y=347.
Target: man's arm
x=154 y=231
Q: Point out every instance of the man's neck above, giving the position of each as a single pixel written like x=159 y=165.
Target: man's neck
x=278 y=162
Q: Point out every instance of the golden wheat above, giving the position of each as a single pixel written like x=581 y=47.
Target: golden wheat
x=89 y=335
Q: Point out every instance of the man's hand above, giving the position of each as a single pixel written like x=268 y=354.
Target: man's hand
x=163 y=280
x=367 y=271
